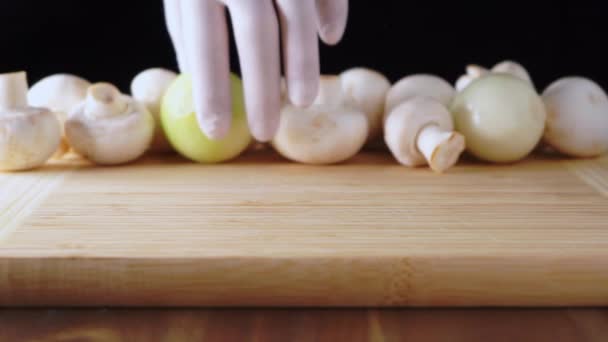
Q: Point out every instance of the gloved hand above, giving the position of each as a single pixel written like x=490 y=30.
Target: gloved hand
x=199 y=33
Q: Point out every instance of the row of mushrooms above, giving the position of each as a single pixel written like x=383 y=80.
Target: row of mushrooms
x=63 y=113
x=359 y=106
x=494 y=114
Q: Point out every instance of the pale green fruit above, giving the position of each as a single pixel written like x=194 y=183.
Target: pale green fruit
x=184 y=134
x=502 y=118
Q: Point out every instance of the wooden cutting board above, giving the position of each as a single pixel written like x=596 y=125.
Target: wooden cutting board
x=265 y=232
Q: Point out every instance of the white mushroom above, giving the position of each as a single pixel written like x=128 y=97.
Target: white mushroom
x=60 y=93
x=330 y=92
x=473 y=72
x=577 y=117
x=476 y=71
x=148 y=88
x=420 y=132
x=419 y=85
x=28 y=135
x=513 y=68
x=320 y=134
x=108 y=127
x=329 y=131
x=366 y=91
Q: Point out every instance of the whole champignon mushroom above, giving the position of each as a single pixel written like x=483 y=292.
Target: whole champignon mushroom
x=60 y=93
x=501 y=116
x=513 y=68
x=577 y=117
x=29 y=136
x=418 y=85
x=329 y=131
x=148 y=87
x=320 y=134
x=109 y=128
x=366 y=91
x=420 y=132
x=474 y=72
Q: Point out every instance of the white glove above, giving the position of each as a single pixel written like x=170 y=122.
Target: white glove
x=199 y=32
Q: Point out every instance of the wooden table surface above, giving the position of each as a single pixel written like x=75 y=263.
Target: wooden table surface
x=565 y=325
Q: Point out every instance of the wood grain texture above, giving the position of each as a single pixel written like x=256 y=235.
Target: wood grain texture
x=262 y=231
x=589 y=325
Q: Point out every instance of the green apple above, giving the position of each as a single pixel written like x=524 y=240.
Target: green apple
x=184 y=134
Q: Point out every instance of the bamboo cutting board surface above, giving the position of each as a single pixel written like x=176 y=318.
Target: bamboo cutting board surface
x=261 y=231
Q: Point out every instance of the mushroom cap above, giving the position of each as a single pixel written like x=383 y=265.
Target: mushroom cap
x=59 y=93
x=501 y=116
x=419 y=85
x=475 y=71
x=366 y=91
x=406 y=121
x=320 y=134
x=513 y=68
x=330 y=92
x=148 y=87
x=28 y=138
x=577 y=117
x=114 y=139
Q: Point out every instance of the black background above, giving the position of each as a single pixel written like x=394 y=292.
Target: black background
x=112 y=40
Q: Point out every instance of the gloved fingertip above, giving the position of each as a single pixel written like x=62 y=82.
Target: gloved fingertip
x=182 y=65
x=264 y=130
x=331 y=34
x=303 y=94
x=215 y=126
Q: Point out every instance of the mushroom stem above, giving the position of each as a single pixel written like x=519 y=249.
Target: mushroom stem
x=13 y=90
x=104 y=100
x=440 y=148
